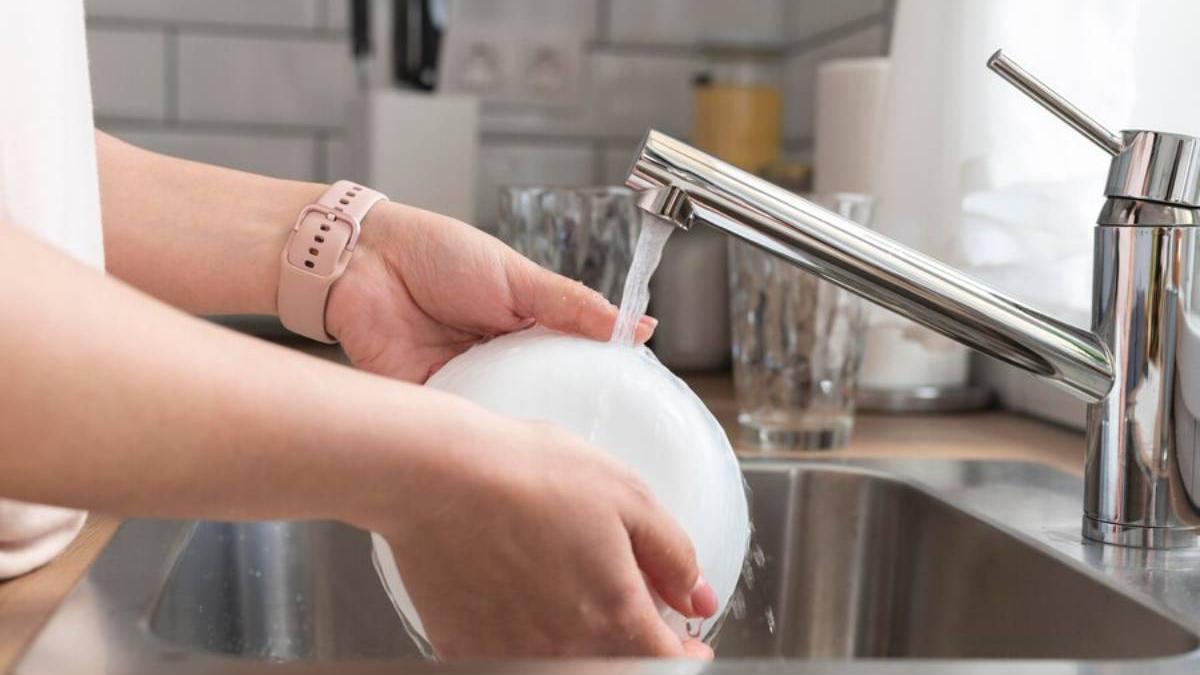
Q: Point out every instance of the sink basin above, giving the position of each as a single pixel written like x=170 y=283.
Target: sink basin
x=937 y=562
x=858 y=565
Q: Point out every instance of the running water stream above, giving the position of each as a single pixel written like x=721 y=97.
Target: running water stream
x=636 y=295
x=635 y=298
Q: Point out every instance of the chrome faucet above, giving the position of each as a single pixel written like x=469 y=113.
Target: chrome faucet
x=1139 y=366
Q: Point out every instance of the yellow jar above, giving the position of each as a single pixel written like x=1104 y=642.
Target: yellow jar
x=737 y=113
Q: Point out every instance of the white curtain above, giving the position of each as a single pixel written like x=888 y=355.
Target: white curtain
x=975 y=173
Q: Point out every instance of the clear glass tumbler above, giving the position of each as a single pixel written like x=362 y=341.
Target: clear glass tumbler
x=797 y=344
x=585 y=233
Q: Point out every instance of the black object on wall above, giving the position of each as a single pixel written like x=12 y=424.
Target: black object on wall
x=417 y=27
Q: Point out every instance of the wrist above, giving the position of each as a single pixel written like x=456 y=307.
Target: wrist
x=319 y=249
x=350 y=296
x=434 y=451
x=269 y=224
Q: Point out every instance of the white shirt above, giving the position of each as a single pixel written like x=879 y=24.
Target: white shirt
x=48 y=187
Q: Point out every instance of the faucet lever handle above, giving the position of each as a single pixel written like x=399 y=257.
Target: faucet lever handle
x=1051 y=100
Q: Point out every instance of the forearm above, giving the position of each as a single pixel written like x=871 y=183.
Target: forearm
x=203 y=238
x=112 y=401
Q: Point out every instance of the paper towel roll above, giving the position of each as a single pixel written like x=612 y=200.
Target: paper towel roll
x=849 y=104
x=849 y=120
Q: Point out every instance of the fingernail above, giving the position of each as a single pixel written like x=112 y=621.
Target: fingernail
x=704 y=598
x=648 y=321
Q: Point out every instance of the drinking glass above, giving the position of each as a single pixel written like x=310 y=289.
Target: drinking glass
x=797 y=344
x=585 y=233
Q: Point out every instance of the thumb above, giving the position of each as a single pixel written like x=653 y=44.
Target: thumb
x=562 y=304
x=666 y=556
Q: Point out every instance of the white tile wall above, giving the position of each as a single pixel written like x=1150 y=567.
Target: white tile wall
x=691 y=21
x=337 y=164
x=624 y=95
x=127 y=70
x=806 y=19
x=575 y=16
x=261 y=84
x=615 y=160
x=261 y=79
x=283 y=156
x=275 y=13
x=514 y=163
x=633 y=93
x=335 y=14
x=800 y=72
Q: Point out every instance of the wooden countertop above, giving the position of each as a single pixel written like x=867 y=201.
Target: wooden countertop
x=27 y=602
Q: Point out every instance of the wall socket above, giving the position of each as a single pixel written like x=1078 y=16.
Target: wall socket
x=513 y=64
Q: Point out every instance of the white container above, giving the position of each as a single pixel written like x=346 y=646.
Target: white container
x=625 y=402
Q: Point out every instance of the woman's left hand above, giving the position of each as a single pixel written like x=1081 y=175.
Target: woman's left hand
x=422 y=288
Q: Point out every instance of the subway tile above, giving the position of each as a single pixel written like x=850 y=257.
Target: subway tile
x=335 y=14
x=127 y=72
x=623 y=96
x=634 y=93
x=800 y=72
x=525 y=16
x=275 y=13
x=693 y=21
x=615 y=161
x=284 y=156
x=507 y=163
x=275 y=80
x=337 y=161
x=806 y=18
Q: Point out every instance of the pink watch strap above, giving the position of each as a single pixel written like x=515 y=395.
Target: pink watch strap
x=316 y=255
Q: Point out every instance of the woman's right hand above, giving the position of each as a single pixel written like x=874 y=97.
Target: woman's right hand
x=521 y=540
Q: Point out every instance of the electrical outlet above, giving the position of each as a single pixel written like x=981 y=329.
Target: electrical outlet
x=479 y=63
x=528 y=52
x=550 y=68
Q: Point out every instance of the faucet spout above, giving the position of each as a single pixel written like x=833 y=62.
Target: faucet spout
x=686 y=186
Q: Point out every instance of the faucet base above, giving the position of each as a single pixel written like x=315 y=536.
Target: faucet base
x=1140 y=537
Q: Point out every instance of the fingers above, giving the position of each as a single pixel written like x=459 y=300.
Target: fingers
x=645 y=633
x=696 y=649
x=666 y=556
x=565 y=305
x=645 y=329
x=651 y=636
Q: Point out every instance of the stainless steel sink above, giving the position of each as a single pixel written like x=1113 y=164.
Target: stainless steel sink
x=916 y=565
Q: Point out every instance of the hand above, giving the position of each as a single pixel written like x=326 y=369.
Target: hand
x=422 y=288
x=541 y=547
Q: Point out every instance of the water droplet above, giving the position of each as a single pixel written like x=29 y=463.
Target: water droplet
x=758 y=557
x=769 y=615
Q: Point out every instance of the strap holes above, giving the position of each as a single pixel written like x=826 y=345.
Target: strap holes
x=324 y=228
x=319 y=239
x=314 y=251
x=350 y=194
x=343 y=200
x=356 y=188
x=309 y=264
